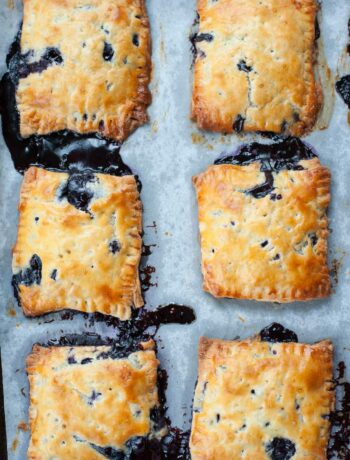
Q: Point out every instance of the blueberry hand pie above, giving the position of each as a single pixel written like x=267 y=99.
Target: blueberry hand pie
x=89 y=403
x=263 y=224
x=79 y=243
x=262 y=401
x=254 y=66
x=85 y=67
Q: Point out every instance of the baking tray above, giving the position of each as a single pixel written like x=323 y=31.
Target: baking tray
x=166 y=154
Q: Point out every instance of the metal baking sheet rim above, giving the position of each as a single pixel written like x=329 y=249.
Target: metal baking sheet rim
x=166 y=154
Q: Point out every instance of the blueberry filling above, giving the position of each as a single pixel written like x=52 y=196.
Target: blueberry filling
x=108 y=52
x=135 y=40
x=280 y=449
x=76 y=191
x=86 y=361
x=243 y=67
x=273 y=158
x=114 y=246
x=94 y=396
x=53 y=55
x=238 y=124
x=197 y=38
x=262 y=190
x=276 y=197
x=53 y=274
x=71 y=360
x=28 y=276
x=23 y=68
x=276 y=333
x=343 y=88
x=313 y=239
x=203 y=37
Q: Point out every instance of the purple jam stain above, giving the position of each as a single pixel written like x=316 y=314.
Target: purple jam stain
x=339 y=442
x=334 y=271
x=153 y=226
x=146 y=274
x=147 y=249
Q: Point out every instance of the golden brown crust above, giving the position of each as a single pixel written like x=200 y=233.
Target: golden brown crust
x=86 y=93
x=77 y=244
x=260 y=248
x=273 y=42
x=250 y=392
x=78 y=399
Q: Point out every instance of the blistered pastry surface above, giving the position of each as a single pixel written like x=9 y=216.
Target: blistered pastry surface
x=251 y=395
x=254 y=69
x=272 y=248
x=101 y=83
x=83 y=400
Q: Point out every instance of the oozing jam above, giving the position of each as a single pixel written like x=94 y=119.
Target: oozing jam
x=273 y=158
x=129 y=335
x=64 y=150
x=276 y=333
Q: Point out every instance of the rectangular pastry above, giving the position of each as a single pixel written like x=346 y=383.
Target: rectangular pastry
x=254 y=66
x=87 y=402
x=79 y=243
x=85 y=67
x=263 y=224
x=262 y=401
